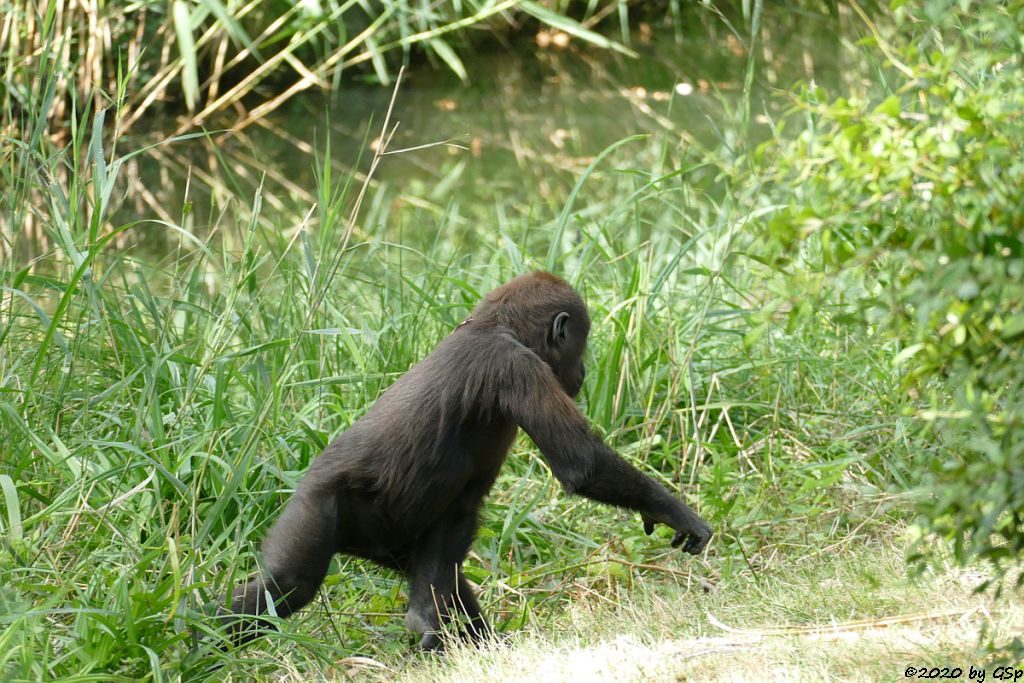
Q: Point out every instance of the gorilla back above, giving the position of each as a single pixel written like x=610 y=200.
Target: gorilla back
x=403 y=486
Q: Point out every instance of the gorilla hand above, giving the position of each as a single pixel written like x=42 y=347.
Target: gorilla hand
x=692 y=532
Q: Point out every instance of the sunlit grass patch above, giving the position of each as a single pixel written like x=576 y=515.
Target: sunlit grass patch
x=848 y=616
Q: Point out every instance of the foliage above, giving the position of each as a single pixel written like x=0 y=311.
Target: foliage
x=915 y=206
x=216 y=55
x=160 y=414
x=158 y=408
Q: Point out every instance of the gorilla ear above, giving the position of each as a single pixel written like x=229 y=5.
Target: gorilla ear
x=560 y=328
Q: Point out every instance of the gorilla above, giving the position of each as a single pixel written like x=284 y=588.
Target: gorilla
x=404 y=485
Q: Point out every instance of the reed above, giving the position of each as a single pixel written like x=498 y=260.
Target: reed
x=242 y=56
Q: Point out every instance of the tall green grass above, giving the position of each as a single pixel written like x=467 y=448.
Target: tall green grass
x=158 y=409
x=162 y=391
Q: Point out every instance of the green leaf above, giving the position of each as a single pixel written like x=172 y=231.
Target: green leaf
x=446 y=53
x=232 y=26
x=890 y=106
x=187 y=47
x=1013 y=326
x=906 y=354
x=13 y=510
x=555 y=20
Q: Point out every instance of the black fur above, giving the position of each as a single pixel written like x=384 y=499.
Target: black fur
x=404 y=484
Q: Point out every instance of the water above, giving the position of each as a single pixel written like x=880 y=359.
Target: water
x=527 y=122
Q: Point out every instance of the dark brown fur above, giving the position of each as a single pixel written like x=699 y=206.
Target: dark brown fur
x=404 y=484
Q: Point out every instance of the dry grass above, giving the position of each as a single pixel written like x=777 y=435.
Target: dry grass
x=853 y=617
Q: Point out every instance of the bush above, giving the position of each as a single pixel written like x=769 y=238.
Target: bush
x=915 y=204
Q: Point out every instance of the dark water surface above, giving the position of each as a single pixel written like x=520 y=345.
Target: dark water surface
x=529 y=119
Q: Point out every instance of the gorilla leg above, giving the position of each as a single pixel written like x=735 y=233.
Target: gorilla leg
x=477 y=627
x=296 y=554
x=438 y=592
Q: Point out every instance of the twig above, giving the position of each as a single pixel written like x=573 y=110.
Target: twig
x=848 y=627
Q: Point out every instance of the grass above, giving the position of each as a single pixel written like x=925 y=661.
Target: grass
x=853 y=614
x=250 y=56
x=162 y=408
x=163 y=388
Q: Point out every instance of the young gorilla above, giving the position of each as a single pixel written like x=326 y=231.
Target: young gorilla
x=404 y=484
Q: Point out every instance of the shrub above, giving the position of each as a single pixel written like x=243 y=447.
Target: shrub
x=915 y=203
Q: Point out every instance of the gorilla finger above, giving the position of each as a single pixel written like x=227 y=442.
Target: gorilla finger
x=648 y=527
x=699 y=543
x=678 y=539
x=431 y=642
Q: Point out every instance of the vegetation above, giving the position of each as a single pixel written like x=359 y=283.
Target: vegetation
x=817 y=338
x=917 y=203
x=215 y=54
x=658 y=630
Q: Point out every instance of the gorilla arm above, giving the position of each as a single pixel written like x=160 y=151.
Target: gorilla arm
x=532 y=397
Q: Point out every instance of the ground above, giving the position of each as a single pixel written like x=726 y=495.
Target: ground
x=853 y=616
